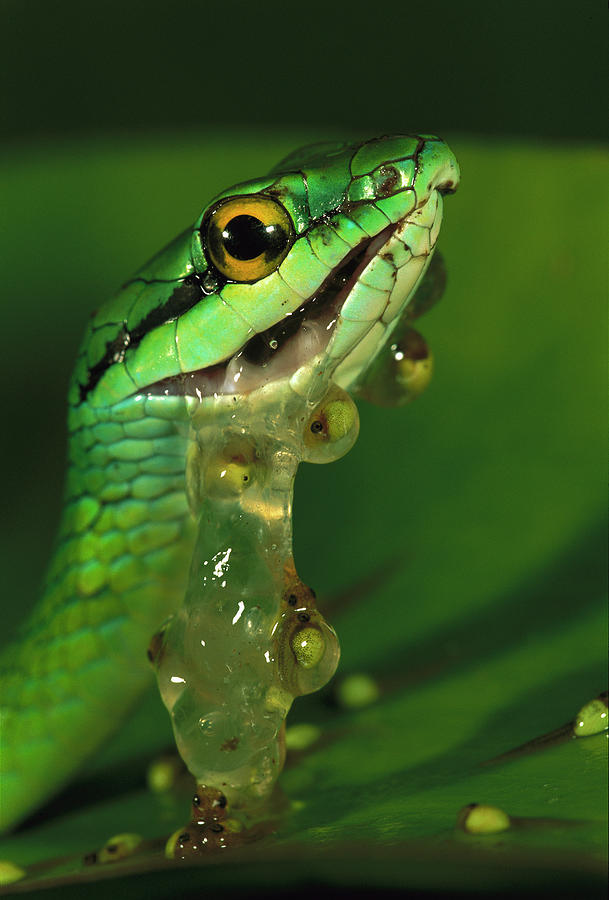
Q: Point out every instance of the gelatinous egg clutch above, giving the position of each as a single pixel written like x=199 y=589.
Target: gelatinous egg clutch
x=249 y=638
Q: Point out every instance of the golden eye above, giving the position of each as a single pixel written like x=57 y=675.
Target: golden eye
x=247 y=237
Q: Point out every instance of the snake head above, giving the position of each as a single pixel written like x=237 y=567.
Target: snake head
x=303 y=271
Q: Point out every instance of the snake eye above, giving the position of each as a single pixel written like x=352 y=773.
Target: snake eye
x=247 y=237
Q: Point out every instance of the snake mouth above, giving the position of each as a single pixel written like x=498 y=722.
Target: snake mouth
x=287 y=345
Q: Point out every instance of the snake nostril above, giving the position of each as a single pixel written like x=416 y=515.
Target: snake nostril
x=448 y=187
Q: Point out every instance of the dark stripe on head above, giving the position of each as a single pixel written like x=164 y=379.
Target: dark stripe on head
x=186 y=295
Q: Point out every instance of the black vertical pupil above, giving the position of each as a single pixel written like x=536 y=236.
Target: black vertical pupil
x=246 y=237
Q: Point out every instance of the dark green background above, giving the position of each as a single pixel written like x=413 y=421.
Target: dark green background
x=519 y=68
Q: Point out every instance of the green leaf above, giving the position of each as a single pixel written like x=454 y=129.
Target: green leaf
x=468 y=529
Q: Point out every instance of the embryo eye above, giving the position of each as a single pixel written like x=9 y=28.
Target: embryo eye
x=248 y=237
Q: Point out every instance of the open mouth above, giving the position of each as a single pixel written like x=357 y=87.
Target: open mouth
x=283 y=348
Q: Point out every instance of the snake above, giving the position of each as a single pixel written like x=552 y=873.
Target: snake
x=198 y=387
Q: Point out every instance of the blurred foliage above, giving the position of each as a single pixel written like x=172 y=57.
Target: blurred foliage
x=517 y=68
x=478 y=512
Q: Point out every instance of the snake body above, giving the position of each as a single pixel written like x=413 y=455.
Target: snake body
x=320 y=257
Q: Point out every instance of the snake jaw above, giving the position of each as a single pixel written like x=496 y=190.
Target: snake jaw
x=408 y=249
x=286 y=347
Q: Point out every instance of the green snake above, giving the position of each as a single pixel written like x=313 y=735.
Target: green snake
x=232 y=343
